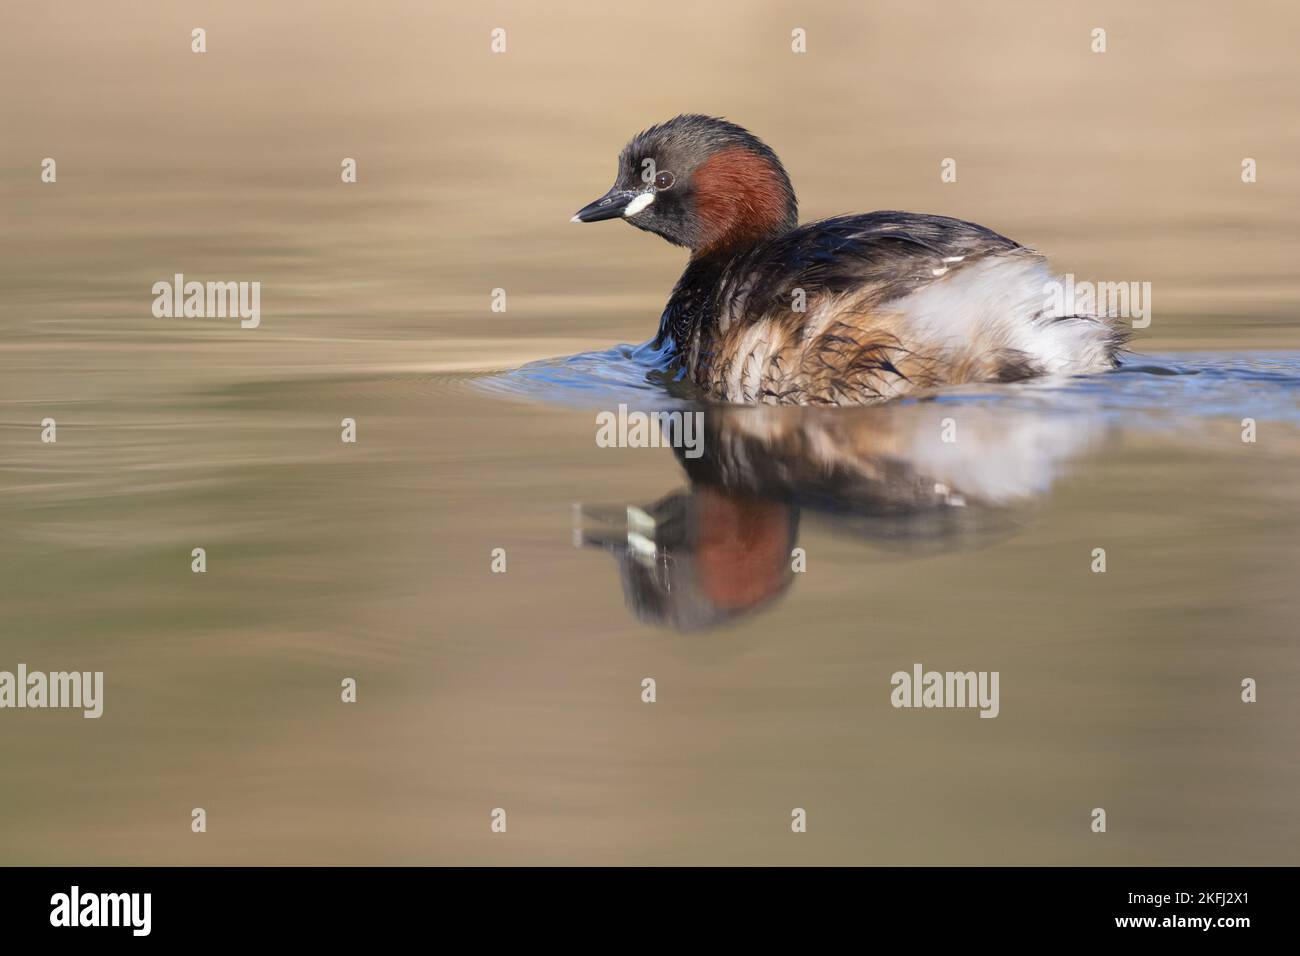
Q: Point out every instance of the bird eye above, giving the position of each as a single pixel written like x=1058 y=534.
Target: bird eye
x=665 y=180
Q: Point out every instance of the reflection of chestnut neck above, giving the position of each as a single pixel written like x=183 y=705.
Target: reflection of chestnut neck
x=743 y=548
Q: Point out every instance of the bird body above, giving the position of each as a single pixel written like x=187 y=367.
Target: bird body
x=849 y=310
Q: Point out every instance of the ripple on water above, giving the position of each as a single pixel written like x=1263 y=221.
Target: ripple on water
x=1261 y=385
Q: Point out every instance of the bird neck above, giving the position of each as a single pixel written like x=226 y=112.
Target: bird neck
x=741 y=197
x=693 y=303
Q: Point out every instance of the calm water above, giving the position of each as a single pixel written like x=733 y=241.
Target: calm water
x=522 y=690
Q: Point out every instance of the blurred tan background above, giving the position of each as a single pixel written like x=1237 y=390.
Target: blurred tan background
x=1120 y=166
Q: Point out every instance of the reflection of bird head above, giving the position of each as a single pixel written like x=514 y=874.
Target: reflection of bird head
x=890 y=475
x=699 y=559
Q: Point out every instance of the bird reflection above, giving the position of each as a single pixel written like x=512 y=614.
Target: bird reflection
x=922 y=476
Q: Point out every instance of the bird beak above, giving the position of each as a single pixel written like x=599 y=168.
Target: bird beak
x=617 y=202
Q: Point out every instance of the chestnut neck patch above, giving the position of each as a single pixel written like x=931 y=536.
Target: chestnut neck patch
x=739 y=198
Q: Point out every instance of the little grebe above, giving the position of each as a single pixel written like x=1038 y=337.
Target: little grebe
x=849 y=310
